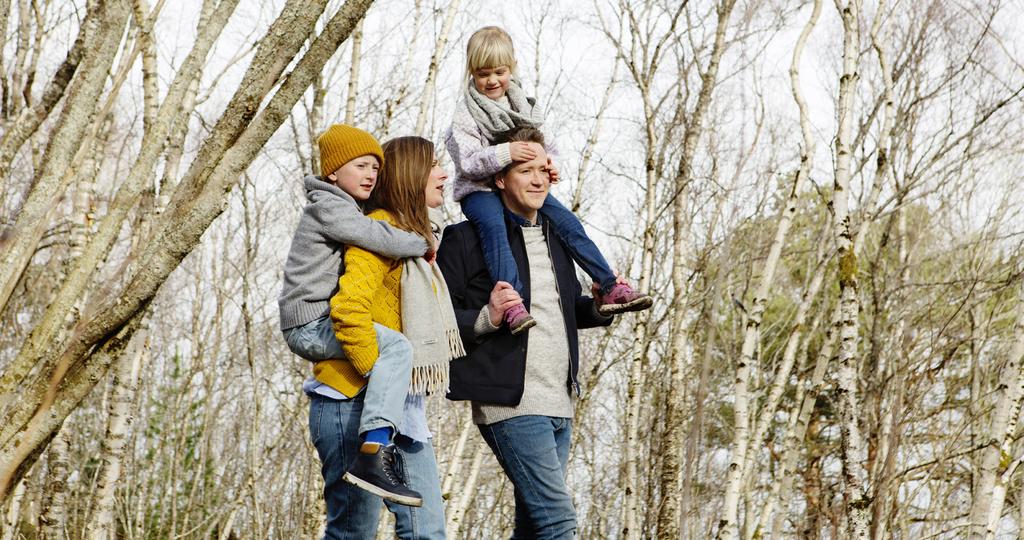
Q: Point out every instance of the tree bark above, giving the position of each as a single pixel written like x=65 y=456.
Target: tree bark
x=54 y=519
x=854 y=450
x=996 y=457
x=119 y=420
x=228 y=150
x=427 y=101
x=61 y=310
x=739 y=462
x=353 y=75
x=30 y=118
x=64 y=142
x=677 y=411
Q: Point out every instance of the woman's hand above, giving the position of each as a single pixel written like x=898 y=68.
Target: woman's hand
x=503 y=296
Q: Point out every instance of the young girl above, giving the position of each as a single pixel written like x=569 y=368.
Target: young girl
x=494 y=103
x=332 y=219
x=407 y=296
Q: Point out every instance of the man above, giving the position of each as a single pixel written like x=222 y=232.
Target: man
x=522 y=387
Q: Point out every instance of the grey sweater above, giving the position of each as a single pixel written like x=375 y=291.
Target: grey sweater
x=331 y=220
x=545 y=391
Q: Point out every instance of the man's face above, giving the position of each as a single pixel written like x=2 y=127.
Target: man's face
x=525 y=185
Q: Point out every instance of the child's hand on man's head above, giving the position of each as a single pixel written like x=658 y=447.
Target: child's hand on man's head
x=520 y=151
x=553 y=172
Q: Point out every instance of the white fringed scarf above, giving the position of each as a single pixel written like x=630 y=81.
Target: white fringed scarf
x=428 y=321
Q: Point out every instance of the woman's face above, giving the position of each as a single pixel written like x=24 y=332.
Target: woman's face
x=435 y=185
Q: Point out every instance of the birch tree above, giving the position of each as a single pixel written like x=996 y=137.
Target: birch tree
x=676 y=410
x=854 y=451
x=235 y=140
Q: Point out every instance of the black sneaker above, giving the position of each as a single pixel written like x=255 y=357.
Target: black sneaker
x=378 y=470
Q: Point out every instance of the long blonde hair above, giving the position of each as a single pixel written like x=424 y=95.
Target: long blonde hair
x=402 y=183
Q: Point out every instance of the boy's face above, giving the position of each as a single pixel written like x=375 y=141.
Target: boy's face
x=357 y=177
x=493 y=81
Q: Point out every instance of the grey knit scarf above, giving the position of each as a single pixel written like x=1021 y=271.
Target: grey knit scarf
x=494 y=118
x=428 y=321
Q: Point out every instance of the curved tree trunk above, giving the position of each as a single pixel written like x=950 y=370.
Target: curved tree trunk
x=64 y=142
x=231 y=146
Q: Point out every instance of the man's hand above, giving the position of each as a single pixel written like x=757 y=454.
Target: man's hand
x=521 y=151
x=503 y=296
x=553 y=172
x=430 y=255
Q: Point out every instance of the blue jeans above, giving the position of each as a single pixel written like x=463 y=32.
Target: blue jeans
x=352 y=513
x=484 y=210
x=534 y=452
x=388 y=380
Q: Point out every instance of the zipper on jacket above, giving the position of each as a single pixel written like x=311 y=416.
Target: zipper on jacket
x=558 y=293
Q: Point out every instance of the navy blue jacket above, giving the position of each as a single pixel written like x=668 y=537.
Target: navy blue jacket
x=494 y=367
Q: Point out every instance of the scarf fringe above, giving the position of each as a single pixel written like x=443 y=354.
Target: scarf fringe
x=429 y=379
x=455 y=348
x=433 y=378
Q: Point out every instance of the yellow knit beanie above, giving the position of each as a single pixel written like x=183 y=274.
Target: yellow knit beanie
x=342 y=143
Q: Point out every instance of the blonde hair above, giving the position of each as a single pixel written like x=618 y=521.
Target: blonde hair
x=402 y=184
x=490 y=47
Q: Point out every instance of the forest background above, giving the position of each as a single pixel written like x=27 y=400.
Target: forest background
x=824 y=198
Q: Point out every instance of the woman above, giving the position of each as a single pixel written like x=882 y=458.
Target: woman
x=409 y=296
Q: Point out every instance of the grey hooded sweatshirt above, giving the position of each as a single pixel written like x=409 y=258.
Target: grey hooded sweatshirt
x=331 y=220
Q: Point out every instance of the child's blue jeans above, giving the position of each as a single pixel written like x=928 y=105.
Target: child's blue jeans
x=388 y=381
x=484 y=210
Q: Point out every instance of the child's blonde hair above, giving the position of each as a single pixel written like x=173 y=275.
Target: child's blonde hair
x=490 y=47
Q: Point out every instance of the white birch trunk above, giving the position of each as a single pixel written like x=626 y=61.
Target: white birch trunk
x=854 y=448
x=353 y=75
x=119 y=420
x=739 y=461
x=12 y=519
x=588 y=150
x=427 y=101
x=457 y=513
x=455 y=464
x=996 y=456
x=630 y=524
x=395 y=101
x=677 y=412
x=54 y=519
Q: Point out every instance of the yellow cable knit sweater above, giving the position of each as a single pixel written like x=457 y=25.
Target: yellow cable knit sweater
x=368 y=292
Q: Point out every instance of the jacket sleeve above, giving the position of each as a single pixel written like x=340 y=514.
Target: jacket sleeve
x=451 y=259
x=350 y=306
x=472 y=159
x=342 y=222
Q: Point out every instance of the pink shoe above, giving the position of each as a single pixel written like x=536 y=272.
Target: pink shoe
x=622 y=298
x=518 y=319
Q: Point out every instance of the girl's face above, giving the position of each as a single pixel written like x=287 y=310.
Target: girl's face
x=435 y=185
x=357 y=177
x=493 y=81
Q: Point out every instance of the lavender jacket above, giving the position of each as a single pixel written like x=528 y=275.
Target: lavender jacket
x=475 y=160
